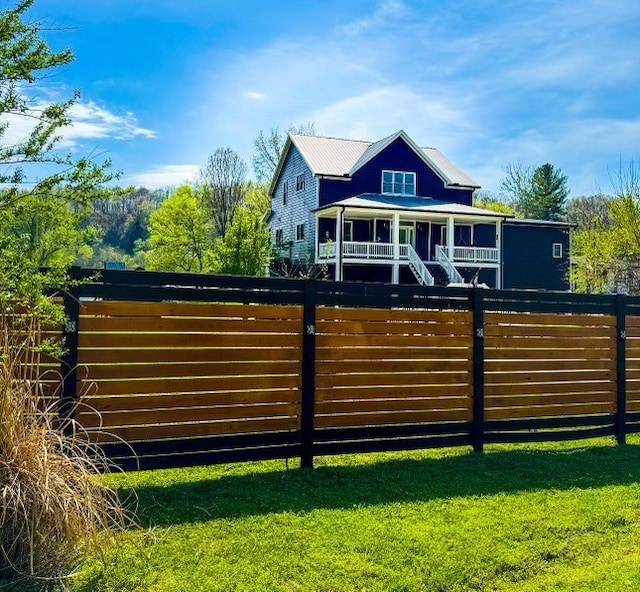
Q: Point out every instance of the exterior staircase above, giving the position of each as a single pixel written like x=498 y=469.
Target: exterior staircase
x=452 y=273
x=418 y=268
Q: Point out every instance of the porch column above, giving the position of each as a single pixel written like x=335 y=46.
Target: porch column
x=317 y=239
x=450 y=237
x=396 y=248
x=338 y=257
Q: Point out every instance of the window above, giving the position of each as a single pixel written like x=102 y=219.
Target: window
x=300 y=232
x=398 y=183
x=348 y=231
x=557 y=250
x=285 y=192
x=300 y=182
x=278 y=236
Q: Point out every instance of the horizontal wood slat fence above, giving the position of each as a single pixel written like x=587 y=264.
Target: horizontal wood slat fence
x=168 y=370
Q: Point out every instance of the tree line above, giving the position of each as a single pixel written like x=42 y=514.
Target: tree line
x=605 y=240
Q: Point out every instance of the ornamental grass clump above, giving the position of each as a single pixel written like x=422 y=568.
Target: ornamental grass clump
x=52 y=507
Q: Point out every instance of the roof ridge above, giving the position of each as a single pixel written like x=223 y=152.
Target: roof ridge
x=331 y=138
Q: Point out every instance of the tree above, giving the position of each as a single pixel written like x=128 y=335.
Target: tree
x=246 y=247
x=52 y=505
x=268 y=149
x=539 y=193
x=487 y=201
x=25 y=58
x=180 y=235
x=589 y=212
x=223 y=187
x=50 y=231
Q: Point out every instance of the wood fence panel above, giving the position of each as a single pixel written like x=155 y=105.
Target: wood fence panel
x=158 y=371
x=392 y=367
x=543 y=365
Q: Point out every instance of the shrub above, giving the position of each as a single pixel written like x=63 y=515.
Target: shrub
x=52 y=507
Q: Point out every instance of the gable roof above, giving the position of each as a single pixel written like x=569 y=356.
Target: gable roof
x=337 y=157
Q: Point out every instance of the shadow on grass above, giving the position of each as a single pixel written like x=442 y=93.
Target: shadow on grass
x=391 y=480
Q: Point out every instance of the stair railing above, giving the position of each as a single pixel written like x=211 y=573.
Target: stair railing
x=448 y=266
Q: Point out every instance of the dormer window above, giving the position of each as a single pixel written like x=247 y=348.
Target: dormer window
x=398 y=183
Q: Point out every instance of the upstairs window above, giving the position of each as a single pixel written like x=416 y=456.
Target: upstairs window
x=300 y=182
x=398 y=183
x=279 y=237
x=285 y=192
x=300 y=232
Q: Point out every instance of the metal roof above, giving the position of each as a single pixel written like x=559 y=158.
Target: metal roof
x=375 y=201
x=336 y=157
x=329 y=156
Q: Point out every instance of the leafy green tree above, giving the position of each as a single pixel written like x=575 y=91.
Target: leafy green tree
x=539 y=193
x=488 y=201
x=50 y=231
x=180 y=235
x=246 y=247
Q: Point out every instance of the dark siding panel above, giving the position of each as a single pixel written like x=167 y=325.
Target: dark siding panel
x=422 y=239
x=361 y=229
x=397 y=157
x=327 y=225
x=484 y=235
x=367 y=273
x=528 y=258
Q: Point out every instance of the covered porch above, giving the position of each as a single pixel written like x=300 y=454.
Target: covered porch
x=416 y=232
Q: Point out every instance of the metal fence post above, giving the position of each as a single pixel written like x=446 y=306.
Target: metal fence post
x=621 y=368
x=477 y=435
x=308 y=373
x=69 y=361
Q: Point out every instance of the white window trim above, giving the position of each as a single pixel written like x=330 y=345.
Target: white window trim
x=553 y=250
x=415 y=183
x=348 y=223
x=298 y=226
x=300 y=182
x=285 y=192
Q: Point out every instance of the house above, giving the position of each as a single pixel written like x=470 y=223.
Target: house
x=390 y=211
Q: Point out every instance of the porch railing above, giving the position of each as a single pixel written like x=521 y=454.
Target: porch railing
x=365 y=250
x=476 y=254
x=418 y=267
x=447 y=265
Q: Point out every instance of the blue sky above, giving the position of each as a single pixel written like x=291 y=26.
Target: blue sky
x=489 y=82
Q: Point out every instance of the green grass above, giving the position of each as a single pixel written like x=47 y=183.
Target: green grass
x=554 y=517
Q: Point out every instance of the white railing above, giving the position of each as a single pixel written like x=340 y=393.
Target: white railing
x=327 y=250
x=418 y=267
x=363 y=250
x=476 y=255
x=447 y=265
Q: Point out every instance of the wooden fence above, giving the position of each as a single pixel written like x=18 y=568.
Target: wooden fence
x=192 y=369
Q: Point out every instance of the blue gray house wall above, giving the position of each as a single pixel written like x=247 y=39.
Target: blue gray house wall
x=398 y=156
x=527 y=255
x=298 y=209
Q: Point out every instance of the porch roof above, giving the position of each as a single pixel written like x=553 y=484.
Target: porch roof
x=408 y=204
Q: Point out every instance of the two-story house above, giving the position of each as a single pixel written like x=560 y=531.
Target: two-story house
x=390 y=211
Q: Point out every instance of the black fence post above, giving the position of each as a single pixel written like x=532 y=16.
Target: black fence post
x=69 y=361
x=477 y=435
x=621 y=368
x=308 y=373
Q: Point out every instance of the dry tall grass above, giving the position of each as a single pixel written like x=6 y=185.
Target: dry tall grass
x=52 y=507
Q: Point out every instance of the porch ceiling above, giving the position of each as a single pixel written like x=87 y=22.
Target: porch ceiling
x=418 y=207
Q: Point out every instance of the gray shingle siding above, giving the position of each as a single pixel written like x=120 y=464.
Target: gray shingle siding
x=298 y=209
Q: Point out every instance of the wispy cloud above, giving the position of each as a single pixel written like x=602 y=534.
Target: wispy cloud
x=90 y=121
x=489 y=82
x=167 y=175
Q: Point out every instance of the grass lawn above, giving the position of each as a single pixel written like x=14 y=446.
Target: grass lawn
x=549 y=517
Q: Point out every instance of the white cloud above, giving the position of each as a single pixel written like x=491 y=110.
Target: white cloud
x=88 y=122
x=255 y=96
x=168 y=175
